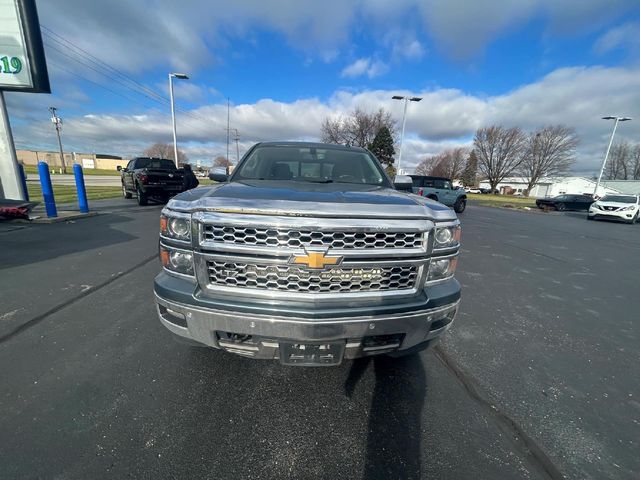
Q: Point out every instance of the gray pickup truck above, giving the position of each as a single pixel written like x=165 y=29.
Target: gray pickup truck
x=309 y=255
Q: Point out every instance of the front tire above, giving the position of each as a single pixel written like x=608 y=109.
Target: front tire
x=142 y=197
x=460 y=205
x=125 y=194
x=561 y=207
x=633 y=220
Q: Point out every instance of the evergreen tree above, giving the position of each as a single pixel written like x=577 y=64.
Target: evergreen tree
x=382 y=147
x=470 y=172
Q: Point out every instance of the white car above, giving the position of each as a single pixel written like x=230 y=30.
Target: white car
x=616 y=207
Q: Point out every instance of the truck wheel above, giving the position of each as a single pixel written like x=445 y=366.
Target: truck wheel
x=460 y=205
x=142 y=197
x=125 y=194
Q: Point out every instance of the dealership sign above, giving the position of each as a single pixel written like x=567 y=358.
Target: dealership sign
x=22 y=63
x=23 y=68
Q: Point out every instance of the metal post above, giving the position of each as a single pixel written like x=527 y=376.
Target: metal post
x=47 y=190
x=228 y=116
x=10 y=182
x=173 y=120
x=56 y=120
x=23 y=178
x=82 y=192
x=615 y=125
x=404 y=119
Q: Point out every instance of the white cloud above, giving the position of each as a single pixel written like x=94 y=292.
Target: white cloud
x=362 y=66
x=357 y=68
x=623 y=36
x=576 y=96
x=183 y=35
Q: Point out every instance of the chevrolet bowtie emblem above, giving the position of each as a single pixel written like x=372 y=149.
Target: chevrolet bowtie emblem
x=315 y=259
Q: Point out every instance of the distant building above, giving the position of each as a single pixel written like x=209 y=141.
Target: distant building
x=87 y=160
x=630 y=187
x=550 y=187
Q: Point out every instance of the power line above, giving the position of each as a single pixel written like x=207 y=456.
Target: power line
x=81 y=56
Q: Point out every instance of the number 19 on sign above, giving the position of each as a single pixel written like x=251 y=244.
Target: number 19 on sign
x=12 y=65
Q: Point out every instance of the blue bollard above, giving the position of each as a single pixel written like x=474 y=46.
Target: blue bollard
x=47 y=190
x=23 y=178
x=82 y=192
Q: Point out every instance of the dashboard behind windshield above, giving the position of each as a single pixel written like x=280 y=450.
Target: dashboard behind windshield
x=310 y=164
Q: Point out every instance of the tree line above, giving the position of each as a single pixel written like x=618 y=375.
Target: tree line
x=623 y=162
x=499 y=152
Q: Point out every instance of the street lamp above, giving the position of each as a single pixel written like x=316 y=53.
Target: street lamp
x=606 y=156
x=181 y=76
x=404 y=119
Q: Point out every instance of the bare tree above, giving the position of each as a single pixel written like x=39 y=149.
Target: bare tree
x=164 y=150
x=635 y=163
x=449 y=163
x=620 y=161
x=549 y=151
x=358 y=129
x=426 y=166
x=221 y=161
x=499 y=152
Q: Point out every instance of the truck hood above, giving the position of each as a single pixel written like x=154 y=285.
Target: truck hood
x=270 y=197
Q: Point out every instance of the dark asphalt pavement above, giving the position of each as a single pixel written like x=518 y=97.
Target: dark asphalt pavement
x=541 y=368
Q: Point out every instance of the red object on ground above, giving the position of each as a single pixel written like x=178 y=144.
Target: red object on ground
x=14 y=212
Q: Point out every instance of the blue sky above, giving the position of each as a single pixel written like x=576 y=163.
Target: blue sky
x=287 y=65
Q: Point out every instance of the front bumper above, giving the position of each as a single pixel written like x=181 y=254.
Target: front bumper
x=624 y=215
x=259 y=333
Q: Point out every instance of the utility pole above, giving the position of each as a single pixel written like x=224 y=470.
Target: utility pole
x=228 y=116
x=237 y=147
x=57 y=121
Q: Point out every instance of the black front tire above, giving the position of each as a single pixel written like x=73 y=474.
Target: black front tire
x=142 y=197
x=460 y=205
x=125 y=193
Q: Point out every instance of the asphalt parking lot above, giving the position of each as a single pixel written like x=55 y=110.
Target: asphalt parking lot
x=538 y=378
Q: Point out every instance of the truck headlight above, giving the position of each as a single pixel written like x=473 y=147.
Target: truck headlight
x=447 y=237
x=178 y=227
x=176 y=260
x=441 y=268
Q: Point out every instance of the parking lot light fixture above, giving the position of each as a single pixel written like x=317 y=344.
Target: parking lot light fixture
x=181 y=76
x=404 y=119
x=606 y=156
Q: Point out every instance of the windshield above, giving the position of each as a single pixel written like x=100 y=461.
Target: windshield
x=155 y=163
x=619 y=199
x=310 y=164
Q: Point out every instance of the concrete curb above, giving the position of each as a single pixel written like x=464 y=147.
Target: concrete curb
x=63 y=216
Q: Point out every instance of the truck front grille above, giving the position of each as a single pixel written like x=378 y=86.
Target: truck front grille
x=294 y=279
x=299 y=238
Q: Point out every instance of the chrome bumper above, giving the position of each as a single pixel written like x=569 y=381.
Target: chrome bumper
x=262 y=334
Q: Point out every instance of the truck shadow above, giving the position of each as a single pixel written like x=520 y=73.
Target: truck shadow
x=394 y=429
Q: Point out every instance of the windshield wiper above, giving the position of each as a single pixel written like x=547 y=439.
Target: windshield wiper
x=326 y=180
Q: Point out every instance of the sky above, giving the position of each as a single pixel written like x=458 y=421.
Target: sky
x=285 y=65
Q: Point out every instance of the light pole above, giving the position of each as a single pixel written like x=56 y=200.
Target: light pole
x=404 y=119
x=606 y=156
x=181 y=76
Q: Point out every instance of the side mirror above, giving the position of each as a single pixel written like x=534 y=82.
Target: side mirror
x=119 y=168
x=403 y=182
x=218 y=177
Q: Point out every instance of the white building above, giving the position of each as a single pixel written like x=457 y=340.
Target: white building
x=550 y=187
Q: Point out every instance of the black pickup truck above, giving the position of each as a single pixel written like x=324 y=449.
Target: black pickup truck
x=147 y=177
